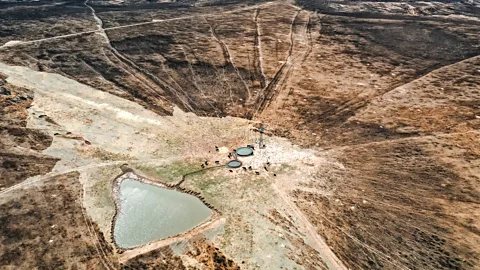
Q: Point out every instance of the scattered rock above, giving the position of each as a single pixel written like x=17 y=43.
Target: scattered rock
x=4 y=91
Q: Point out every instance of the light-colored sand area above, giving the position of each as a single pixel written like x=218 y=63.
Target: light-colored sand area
x=105 y=131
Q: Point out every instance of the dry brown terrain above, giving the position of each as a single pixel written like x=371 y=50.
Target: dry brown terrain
x=409 y=196
x=46 y=228
x=371 y=109
x=20 y=146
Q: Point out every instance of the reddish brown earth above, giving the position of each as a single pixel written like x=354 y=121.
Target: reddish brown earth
x=388 y=89
x=403 y=203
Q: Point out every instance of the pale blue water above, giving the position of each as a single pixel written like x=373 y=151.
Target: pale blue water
x=244 y=151
x=149 y=213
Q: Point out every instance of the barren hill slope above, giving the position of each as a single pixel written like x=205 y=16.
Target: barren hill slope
x=371 y=110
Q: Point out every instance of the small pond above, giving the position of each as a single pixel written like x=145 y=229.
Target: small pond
x=149 y=213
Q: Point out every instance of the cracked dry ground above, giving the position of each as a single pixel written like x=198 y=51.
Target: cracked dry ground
x=391 y=90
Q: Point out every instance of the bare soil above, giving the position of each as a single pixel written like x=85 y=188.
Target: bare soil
x=401 y=196
x=164 y=258
x=46 y=228
x=22 y=20
x=20 y=146
x=377 y=104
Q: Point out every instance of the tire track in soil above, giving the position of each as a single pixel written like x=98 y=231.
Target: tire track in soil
x=347 y=108
x=225 y=57
x=308 y=33
x=259 y=104
x=283 y=73
x=329 y=258
x=138 y=24
x=183 y=97
x=282 y=94
x=228 y=56
x=129 y=64
x=353 y=105
x=195 y=84
x=135 y=73
x=151 y=79
x=93 y=235
x=257 y=54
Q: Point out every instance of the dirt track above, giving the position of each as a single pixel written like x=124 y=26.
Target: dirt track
x=376 y=104
x=125 y=116
x=330 y=258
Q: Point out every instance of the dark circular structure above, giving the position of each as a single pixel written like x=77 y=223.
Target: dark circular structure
x=244 y=151
x=234 y=164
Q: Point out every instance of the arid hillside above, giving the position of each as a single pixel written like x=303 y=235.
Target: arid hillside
x=371 y=112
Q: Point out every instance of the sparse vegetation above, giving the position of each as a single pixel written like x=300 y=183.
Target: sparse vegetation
x=385 y=96
x=172 y=173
